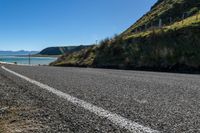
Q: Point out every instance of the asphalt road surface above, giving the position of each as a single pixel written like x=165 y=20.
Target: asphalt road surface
x=82 y=100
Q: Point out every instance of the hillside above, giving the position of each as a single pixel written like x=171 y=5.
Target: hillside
x=84 y=57
x=171 y=46
x=61 y=50
x=168 y=11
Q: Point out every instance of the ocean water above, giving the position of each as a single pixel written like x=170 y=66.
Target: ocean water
x=25 y=59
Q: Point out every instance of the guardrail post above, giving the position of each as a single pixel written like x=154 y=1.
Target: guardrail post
x=170 y=20
x=29 y=59
x=160 y=23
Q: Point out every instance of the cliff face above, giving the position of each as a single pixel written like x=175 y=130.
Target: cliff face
x=175 y=46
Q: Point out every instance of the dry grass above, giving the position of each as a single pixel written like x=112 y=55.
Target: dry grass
x=11 y=121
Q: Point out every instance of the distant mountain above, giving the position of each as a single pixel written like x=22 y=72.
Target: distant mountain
x=21 y=52
x=61 y=50
x=167 y=38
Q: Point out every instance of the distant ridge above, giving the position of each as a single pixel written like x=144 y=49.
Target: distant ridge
x=20 y=52
x=61 y=50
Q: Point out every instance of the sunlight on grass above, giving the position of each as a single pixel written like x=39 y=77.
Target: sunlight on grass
x=177 y=25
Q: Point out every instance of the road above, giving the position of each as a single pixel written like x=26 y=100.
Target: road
x=82 y=100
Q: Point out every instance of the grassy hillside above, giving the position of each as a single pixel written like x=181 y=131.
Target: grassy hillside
x=169 y=11
x=174 y=47
x=84 y=57
x=61 y=50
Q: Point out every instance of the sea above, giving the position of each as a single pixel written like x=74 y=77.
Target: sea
x=22 y=59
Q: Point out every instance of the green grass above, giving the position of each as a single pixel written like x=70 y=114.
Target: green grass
x=177 y=25
x=83 y=58
x=164 y=9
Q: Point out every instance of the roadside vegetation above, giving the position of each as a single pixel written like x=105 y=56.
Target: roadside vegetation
x=84 y=57
x=193 y=20
x=171 y=46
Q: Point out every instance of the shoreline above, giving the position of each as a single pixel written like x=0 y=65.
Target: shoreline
x=35 y=60
x=51 y=56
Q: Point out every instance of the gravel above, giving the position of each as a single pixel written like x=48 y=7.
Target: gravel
x=162 y=101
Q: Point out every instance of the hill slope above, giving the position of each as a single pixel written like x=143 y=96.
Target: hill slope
x=175 y=46
x=168 y=11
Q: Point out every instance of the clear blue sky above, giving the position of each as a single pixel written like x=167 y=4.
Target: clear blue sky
x=36 y=24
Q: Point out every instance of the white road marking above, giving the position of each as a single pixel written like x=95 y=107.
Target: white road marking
x=114 y=118
x=9 y=63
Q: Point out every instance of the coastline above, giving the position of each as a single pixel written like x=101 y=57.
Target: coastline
x=50 y=56
x=24 y=60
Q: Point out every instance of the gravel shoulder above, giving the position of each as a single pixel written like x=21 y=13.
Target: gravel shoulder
x=17 y=114
x=29 y=109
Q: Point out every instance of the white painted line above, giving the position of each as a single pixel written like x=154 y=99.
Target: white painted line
x=9 y=63
x=114 y=118
x=1 y=62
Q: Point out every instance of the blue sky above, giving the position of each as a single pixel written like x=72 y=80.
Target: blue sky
x=37 y=24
